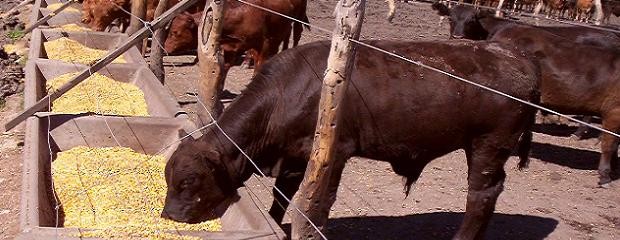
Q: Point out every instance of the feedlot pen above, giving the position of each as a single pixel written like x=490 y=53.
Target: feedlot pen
x=556 y=198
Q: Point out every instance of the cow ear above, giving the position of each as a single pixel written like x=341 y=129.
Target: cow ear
x=441 y=9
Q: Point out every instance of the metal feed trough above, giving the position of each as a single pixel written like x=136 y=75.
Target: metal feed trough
x=244 y=219
x=96 y=40
x=39 y=10
x=160 y=102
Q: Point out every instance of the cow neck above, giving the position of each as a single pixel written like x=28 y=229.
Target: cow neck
x=492 y=24
x=245 y=122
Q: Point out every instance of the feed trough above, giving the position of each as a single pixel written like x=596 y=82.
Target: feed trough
x=242 y=220
x=95 y=40
x=159 y=100
x=39 y=10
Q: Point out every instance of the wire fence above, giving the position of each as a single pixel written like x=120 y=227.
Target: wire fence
x=215 y=124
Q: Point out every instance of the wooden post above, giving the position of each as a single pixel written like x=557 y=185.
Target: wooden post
x=156 y=59
x=138 y=12
x=598 y=12
x=48 y=16
x=104 y=61
x=211 y=60
x=324 y=168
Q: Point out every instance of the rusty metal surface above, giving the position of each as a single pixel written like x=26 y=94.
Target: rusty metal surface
x=244 y=219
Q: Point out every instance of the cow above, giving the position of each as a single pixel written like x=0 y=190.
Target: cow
x=610 y=7
x=99 y=14
x=245 y=28
x=583 y=9
x=274 y=121
x=579 y=77
x=183 y=32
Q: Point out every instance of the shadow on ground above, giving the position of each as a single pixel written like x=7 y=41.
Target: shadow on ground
x=560 y=130
x=437 y=225
x=565 y=156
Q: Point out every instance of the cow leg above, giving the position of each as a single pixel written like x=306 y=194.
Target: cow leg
x=287 y=37
x=609 y=147
x=288 y=183
x=298 y=28
x=486 y=181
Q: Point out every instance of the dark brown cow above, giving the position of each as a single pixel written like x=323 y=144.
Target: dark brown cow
x=582 y=78
x=274 y=120
x=467 y=22
x=610 y=7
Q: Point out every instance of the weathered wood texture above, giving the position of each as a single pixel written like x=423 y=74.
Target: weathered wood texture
x=313 y=197
x=48 y=16
x=211 y=60
x=138 y=12
x=156 y=59
x=104 y=61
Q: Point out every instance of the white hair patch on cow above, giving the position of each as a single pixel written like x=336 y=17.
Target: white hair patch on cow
x=496 y=48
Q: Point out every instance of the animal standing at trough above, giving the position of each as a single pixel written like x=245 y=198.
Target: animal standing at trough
x=580 y=68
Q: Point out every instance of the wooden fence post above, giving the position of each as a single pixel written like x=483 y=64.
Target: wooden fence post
x=598 y=12
x=156 y=58
x=211 y=60
x=138 y=10
x=324 y=168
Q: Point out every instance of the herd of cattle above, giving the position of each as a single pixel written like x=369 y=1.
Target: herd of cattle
x=573 y=70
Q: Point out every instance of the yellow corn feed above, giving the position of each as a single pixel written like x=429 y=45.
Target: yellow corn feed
x=117 y=192
x=98 y=94
x=72 y=27
x=55 y=6
x=69 y=50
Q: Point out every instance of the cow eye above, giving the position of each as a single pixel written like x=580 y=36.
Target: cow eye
x=186 y=183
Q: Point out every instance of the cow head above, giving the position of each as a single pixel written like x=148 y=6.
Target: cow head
x=105 y=12
x=199 y=185
x=183 y=33
x=464 y=21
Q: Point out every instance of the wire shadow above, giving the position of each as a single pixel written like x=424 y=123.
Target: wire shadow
x=437 y=225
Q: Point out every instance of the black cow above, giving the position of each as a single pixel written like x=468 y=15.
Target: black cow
x=470 y=23
x=576 y=78
x=392 y=111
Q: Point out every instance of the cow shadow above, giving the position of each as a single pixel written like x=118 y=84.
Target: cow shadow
x=565 y=156
x=436 y=225
x=560 y=130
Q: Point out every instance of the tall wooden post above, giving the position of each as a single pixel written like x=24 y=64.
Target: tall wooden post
x=211 y=60
x=317 y=190
x=156 y=59
x=598 y=12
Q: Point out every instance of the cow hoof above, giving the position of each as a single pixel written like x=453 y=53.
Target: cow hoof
x=605 y=185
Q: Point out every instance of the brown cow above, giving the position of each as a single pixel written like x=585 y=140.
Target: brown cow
x=99 y=14
x=580 y=67
x=183 y=31
x=583 y=8
x=274 y=120
x=244 y=28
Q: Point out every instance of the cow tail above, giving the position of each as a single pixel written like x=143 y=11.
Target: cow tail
x=525 y=144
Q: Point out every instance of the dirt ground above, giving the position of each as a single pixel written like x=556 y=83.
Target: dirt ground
x=556 y=198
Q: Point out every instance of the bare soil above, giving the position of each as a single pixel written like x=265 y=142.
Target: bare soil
x=556 y=198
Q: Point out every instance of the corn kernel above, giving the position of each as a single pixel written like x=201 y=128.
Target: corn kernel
x=69 y=50
x=55 y=6
x=117 y=192
x=72 y=27
x=98 y=94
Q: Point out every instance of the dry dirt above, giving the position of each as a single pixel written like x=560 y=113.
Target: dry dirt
x=556 y=198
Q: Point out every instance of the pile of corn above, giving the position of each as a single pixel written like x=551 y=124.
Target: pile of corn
x=55 y=6
x=98 y=94
x=118 y=192
x=72 y=27
x=69 y=50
